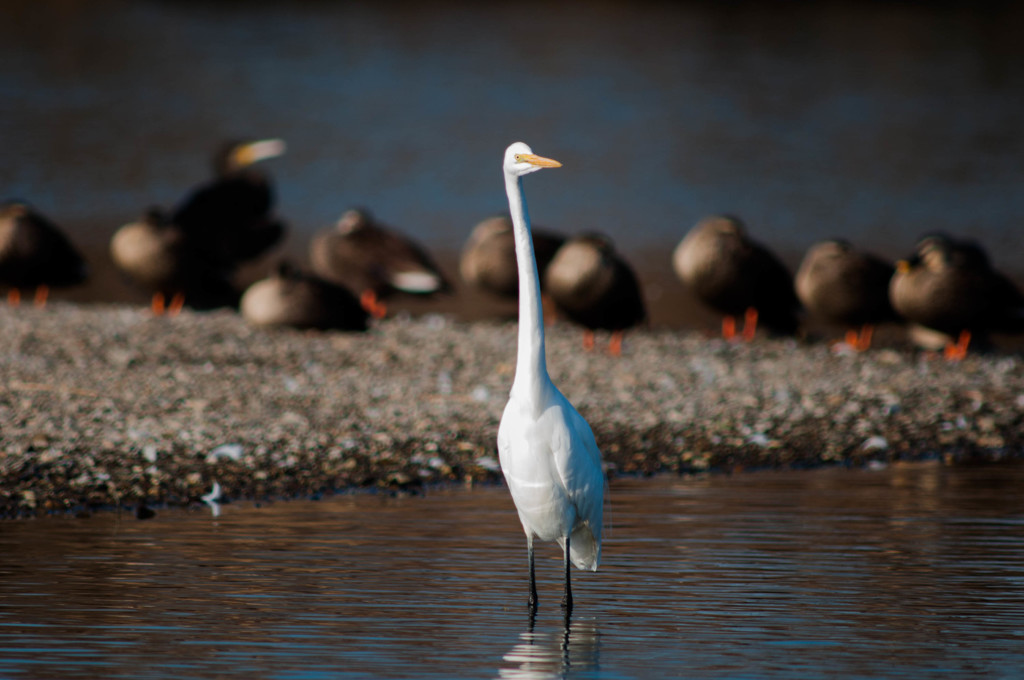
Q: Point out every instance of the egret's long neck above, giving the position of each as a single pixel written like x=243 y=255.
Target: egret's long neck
x=531 y=366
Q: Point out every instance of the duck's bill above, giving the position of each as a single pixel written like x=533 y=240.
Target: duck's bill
x=261 y=150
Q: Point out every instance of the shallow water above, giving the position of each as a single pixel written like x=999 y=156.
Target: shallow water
x=878 y=121
x=911 y=571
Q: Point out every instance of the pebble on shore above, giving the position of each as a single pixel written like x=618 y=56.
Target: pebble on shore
x=106 y=406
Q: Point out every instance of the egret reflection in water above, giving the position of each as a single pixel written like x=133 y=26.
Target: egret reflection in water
x=554 y=653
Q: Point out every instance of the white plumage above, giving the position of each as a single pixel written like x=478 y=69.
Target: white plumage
x=547 y=450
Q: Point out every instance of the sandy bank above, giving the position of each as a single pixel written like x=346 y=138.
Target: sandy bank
x=104 y=404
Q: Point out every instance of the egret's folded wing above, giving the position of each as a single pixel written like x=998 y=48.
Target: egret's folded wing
x=578 y=464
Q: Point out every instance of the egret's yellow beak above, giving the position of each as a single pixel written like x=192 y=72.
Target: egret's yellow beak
x=902 y=267
x=539 y=161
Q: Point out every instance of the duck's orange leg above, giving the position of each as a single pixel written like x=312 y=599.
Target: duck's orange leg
x=14 y=297
x=177 y=302
x=749 y=324
x=728 y=327
x=158 y=304
x=867 y=332
x=615 y=344
x=372 y=305
x=41 y=296
x=958 y=350
x=588 y=340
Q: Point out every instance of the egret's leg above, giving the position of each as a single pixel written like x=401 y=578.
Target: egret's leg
x=567 y=595
x=532 y=602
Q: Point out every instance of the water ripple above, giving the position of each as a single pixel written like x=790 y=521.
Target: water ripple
x=787 y=575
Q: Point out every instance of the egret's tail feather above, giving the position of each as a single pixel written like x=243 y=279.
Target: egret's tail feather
x=584 y=548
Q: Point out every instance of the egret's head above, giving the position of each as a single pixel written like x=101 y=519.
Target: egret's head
x=520 y=160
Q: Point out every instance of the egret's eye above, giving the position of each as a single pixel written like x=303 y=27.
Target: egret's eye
x=519 y=158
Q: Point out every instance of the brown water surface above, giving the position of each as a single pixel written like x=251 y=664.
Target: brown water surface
x=908 y=571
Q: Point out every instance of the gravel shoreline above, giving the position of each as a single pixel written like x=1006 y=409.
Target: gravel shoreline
x=105 y=406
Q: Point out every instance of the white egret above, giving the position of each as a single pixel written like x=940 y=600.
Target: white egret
x=488 y=260
x=547 y=450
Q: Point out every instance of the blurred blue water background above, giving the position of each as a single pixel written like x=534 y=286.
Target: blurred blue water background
x=878 y=121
